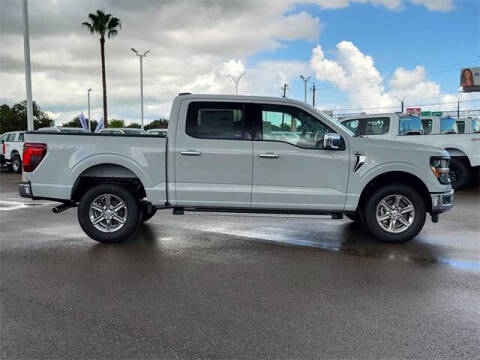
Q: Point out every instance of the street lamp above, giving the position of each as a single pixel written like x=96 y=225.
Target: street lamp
x=236 y=81
x=28 y=72
x=305 y=81
x=141 y=56
x=89 y=120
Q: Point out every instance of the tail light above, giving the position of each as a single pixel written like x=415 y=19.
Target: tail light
x=33 y=153
x=3 y=148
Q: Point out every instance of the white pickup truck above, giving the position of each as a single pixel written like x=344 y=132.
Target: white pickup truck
x=464 y=148
x=239 y=154
x=11 y=150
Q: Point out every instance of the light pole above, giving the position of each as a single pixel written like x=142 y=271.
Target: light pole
x=236 y=81
x=28 y=71
x=141 y=56
x=305 y=81
x=89 y=119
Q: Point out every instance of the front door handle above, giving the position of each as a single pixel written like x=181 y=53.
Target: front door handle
x=269 y=156
x=191 y=153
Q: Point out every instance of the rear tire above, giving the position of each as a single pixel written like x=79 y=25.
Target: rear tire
x=398 y=205
x=112 y=226
x=16 y=164
x=459 y=173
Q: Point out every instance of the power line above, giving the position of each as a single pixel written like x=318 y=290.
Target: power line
x=420 y=105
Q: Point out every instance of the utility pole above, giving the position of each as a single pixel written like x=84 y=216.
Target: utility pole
x=141 y=78
x=89 y=119
x=284 y=89
x=401 y=100
x=28 y=71
x=305 y=81
x=458 y=108
x=236 y=81
x=313 y=95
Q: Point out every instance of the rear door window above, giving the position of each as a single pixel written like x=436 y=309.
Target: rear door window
x=216 y=120
x=20 y=137
x=376 y=126
x=10 y=137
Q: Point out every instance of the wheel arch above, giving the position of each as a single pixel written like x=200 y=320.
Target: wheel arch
x=107 y=173
x=396 y=177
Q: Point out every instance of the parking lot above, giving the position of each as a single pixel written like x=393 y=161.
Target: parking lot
x=229 y=286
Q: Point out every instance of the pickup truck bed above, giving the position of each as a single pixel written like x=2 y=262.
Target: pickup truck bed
x=75 y=157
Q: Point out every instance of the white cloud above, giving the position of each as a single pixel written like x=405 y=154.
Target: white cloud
x=436 y=5
x=355 y=74
x=433 y=5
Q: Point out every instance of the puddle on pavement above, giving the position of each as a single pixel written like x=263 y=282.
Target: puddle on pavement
x=15 y=205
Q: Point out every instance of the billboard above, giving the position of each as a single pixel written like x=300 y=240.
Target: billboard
x=414 y=111
x=470 y=79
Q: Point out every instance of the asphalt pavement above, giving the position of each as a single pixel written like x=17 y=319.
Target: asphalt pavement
x=202 y=286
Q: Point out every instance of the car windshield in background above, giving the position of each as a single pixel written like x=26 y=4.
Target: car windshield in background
x=410 y=125
x=134 y=131
x=476 y=126
x=448 y=126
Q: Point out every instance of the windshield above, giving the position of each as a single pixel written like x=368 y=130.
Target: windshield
x=448 y=126
x=410 y=125
x=476 y=126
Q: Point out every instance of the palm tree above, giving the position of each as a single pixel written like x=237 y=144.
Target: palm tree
x=103 y=24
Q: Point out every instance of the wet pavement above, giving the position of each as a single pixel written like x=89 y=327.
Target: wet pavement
x=236 y=286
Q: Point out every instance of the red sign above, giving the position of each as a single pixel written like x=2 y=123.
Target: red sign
x=414 y=111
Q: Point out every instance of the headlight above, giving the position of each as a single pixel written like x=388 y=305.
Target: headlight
x=439 y=166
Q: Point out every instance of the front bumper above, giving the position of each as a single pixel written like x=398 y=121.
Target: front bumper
x=442 y=202
x=25 y=189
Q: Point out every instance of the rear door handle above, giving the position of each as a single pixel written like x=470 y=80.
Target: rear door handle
x=269 y=156
x=191 y=153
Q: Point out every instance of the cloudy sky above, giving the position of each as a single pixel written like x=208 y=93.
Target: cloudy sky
x=361 y=54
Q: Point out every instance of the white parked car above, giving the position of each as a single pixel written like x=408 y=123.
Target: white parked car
x=464 y=149
x=12 y=150
x=122 y=131
x=160 y=132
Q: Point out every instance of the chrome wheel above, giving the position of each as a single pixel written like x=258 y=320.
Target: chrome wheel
x=395 y=213
x=108 y=213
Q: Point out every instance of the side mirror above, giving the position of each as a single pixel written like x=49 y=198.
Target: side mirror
x=332 y=141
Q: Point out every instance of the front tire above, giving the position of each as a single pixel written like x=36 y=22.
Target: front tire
x=395 y=213
x=16 y=164
x=459 y=173
x=109 y=213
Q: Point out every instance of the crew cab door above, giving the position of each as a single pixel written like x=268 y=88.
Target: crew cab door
x=213 y=155
x=291 y=170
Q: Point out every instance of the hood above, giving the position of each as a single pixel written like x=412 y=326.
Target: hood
x=399 y=145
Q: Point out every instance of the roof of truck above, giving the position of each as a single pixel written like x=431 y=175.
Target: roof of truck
x=241 y=98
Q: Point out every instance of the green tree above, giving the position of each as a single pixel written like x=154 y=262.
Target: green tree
x=134 y=126
x=157 y=124
x=104 y=25
x=15 y=117
x=114 y=123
